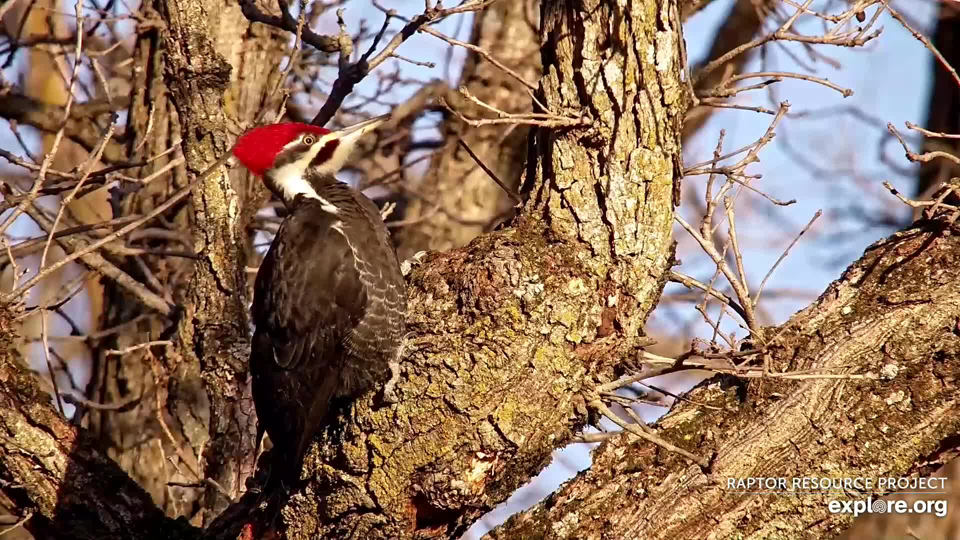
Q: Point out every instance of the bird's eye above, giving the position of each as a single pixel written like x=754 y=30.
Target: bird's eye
x=309 y=139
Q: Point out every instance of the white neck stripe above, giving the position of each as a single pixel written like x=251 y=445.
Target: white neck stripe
x=290 y=177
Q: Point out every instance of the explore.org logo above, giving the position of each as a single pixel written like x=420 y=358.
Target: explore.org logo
x=870 y=506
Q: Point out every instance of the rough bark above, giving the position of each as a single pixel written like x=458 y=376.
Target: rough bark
x=888 y=314
x=513 y=328
x=212 y=329
x=58 y=472
x=921 y=525
x=205 y=69
x=510 y=332
x=893 y=314
x=463 y=201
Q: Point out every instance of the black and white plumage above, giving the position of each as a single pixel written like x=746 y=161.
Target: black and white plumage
x=329 y=298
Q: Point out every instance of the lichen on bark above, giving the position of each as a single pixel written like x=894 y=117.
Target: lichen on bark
x=890 y=322
x=512 y=329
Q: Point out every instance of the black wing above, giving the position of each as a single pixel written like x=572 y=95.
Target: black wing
x=308 y=293
x=307 y=297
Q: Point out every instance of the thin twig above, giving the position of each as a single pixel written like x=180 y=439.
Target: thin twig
x=783 y=255
x=75 y=398
x=724 y=90
x=924 y=40
x=15 y=271
x=482 y=52
x=29 y=515
x=595 y=437
x=139 y=346
x=784 y=33
x=28 y=246
x=598 y=405
x=935 y=134
x=161 y=208
x=690 y=283
x=509 y=191
x=739 y=288
x=529 y=119
x=69 y=198
x=97 y=262
x=354 y=73
x=678 y=397
x=48 y=159
x=921 y=158
x=917 y=204
x=46 y=357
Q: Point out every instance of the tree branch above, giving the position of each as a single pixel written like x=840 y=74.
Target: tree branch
x=81 y=128
x=57 y=469
x=327 y=44
x=353 y=73
x=888 y=315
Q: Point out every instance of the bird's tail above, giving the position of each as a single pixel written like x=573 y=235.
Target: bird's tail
x=287 y=466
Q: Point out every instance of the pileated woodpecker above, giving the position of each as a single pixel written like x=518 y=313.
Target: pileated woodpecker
x=329 y=301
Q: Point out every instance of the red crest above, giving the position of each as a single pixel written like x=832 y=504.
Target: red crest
x=258 y=148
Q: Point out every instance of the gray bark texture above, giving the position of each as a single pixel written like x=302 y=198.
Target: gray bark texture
x=894 y=314
x=511 y=332
x=206 y=69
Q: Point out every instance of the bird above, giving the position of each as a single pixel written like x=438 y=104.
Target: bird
x=329 y=299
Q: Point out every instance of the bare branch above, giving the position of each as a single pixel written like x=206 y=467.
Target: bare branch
x=327 y=44
x=352 y=74
x=513 y=194
x=174 y=199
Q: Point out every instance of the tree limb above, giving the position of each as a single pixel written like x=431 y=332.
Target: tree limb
x=50 y=466
x=888 y=315
x=81 y=128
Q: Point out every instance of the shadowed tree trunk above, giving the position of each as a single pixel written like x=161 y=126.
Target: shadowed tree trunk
x=463 y=201
x=943 y=108
x=198 y=82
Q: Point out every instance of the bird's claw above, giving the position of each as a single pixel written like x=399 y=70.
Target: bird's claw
x=407 y=265
x=389 y=390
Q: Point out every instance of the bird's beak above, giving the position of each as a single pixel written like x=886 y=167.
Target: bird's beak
x=350 y=135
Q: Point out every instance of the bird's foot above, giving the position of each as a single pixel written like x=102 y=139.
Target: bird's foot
x=407 y=265
x=387 y=210
x=389 y=390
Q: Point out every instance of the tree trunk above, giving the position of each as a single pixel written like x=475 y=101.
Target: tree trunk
x=511 y=333
x=463 y=200
x=889 y=320
x=196 y=82
x=943 y=108
x=515 y=327
x=554 y=303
